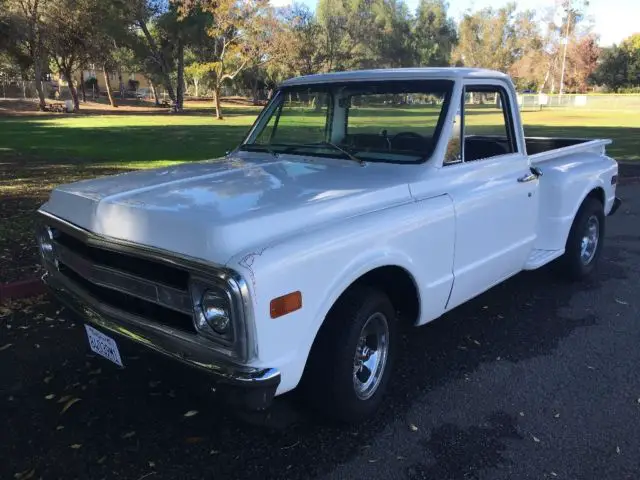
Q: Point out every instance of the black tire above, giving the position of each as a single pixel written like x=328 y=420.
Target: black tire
x=572 y=266
x=328 y=384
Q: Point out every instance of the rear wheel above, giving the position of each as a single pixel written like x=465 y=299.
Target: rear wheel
x=585 y=241
x=351 y=361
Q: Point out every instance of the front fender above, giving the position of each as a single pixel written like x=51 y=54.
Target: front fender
x=322 y=263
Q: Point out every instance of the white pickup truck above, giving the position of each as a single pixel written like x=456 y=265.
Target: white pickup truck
x=358 y=200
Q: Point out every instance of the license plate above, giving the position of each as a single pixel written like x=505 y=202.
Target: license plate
x=103 y=345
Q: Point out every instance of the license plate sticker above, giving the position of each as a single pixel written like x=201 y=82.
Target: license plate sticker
x=103 y=345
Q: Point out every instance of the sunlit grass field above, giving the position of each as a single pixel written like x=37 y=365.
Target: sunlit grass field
x=142 y=141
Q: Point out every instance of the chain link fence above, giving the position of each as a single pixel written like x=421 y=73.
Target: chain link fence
x=611 y=102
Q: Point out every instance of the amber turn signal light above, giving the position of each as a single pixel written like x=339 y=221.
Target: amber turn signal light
x=286 y=304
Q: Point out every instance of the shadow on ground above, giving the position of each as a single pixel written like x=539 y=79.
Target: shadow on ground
x=131 y=422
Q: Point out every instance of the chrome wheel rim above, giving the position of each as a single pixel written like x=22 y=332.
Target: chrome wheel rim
x=371 y=356
x=590 y=238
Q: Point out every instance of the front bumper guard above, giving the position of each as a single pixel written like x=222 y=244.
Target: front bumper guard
x=252 y=388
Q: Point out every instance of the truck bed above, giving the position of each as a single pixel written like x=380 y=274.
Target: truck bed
x=541 y=149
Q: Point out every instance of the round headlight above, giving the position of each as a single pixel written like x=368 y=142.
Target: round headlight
x=215 y=309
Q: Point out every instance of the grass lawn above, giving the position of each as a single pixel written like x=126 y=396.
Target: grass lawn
x=39 y=152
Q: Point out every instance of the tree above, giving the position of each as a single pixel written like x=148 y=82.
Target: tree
x=487 y=38
x=29 y=14
x=619 y=65
x=242 y=34
x=434 y=33
x=69 y=36
x=297 y=43
x=145 y=14
x=582 y=59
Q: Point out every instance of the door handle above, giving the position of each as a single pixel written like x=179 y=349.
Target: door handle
x=529 y=177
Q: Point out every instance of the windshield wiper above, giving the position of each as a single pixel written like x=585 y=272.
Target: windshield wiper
x=336 y=147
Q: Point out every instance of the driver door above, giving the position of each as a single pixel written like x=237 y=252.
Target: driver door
x=493 y=192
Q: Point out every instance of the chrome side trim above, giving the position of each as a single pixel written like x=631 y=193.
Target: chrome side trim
x=135 y=286
x=189 y=349
x=244 y=327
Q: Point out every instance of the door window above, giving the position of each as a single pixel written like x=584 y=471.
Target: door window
x=487 y=123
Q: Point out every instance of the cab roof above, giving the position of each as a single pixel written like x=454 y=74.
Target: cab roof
x=424 y=73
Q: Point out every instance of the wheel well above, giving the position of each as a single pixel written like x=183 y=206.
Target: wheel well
x=598 y=194
x=399 y=285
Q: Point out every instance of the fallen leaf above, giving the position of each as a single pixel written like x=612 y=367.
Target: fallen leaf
x=68 y=404
x=5 y=346
x=618 y=450
x=193 y=440
x=37 y=345
x=213 y=452
x=621 y=302
x=26 y=475
x=590 y=367
x=400 y=457
x=59 y=427
x=102 y=459
x=522 y=414
x=76 y=446
x=152 y=464
x=476 y=342
x=554 y=474
x=557 y=415
x=535 y=439
x=413 y=428
x=48 y=319
x=64 y=399
x=51 y=396
x=371 y=460
x=191 y=413
x=128 y=435
x=290 y=446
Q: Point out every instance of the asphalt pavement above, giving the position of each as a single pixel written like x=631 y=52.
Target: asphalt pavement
x=535 y=379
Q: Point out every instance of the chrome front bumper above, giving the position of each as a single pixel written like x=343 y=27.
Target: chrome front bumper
x=259 y=385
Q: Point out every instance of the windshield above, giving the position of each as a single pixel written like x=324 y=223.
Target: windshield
x=390 y=121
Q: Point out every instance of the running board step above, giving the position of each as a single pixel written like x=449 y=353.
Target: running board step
x=538 y=258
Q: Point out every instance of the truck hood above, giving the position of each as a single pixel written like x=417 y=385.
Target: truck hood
x=216 y=209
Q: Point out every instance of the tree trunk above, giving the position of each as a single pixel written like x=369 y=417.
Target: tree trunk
x=180 y=86
x=216 y=102
x=195 y=84
x=154 y=92
x=84 y=93
x=120 y=83
x=72 y=89
x=159 y=57
x=107 y=85
x=38 y=74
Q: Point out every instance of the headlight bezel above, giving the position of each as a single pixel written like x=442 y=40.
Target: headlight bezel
x=46 y=248
x=199 y=288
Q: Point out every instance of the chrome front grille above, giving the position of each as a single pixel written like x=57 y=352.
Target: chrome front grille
x=146 y=286
x=134 y=285
x=127 y=283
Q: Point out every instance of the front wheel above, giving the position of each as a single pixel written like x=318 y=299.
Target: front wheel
x=585 y=241
x=351 y=361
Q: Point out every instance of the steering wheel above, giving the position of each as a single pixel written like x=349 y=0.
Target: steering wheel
x=407 y=134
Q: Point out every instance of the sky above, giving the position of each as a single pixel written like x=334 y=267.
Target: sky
x=613 y=20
